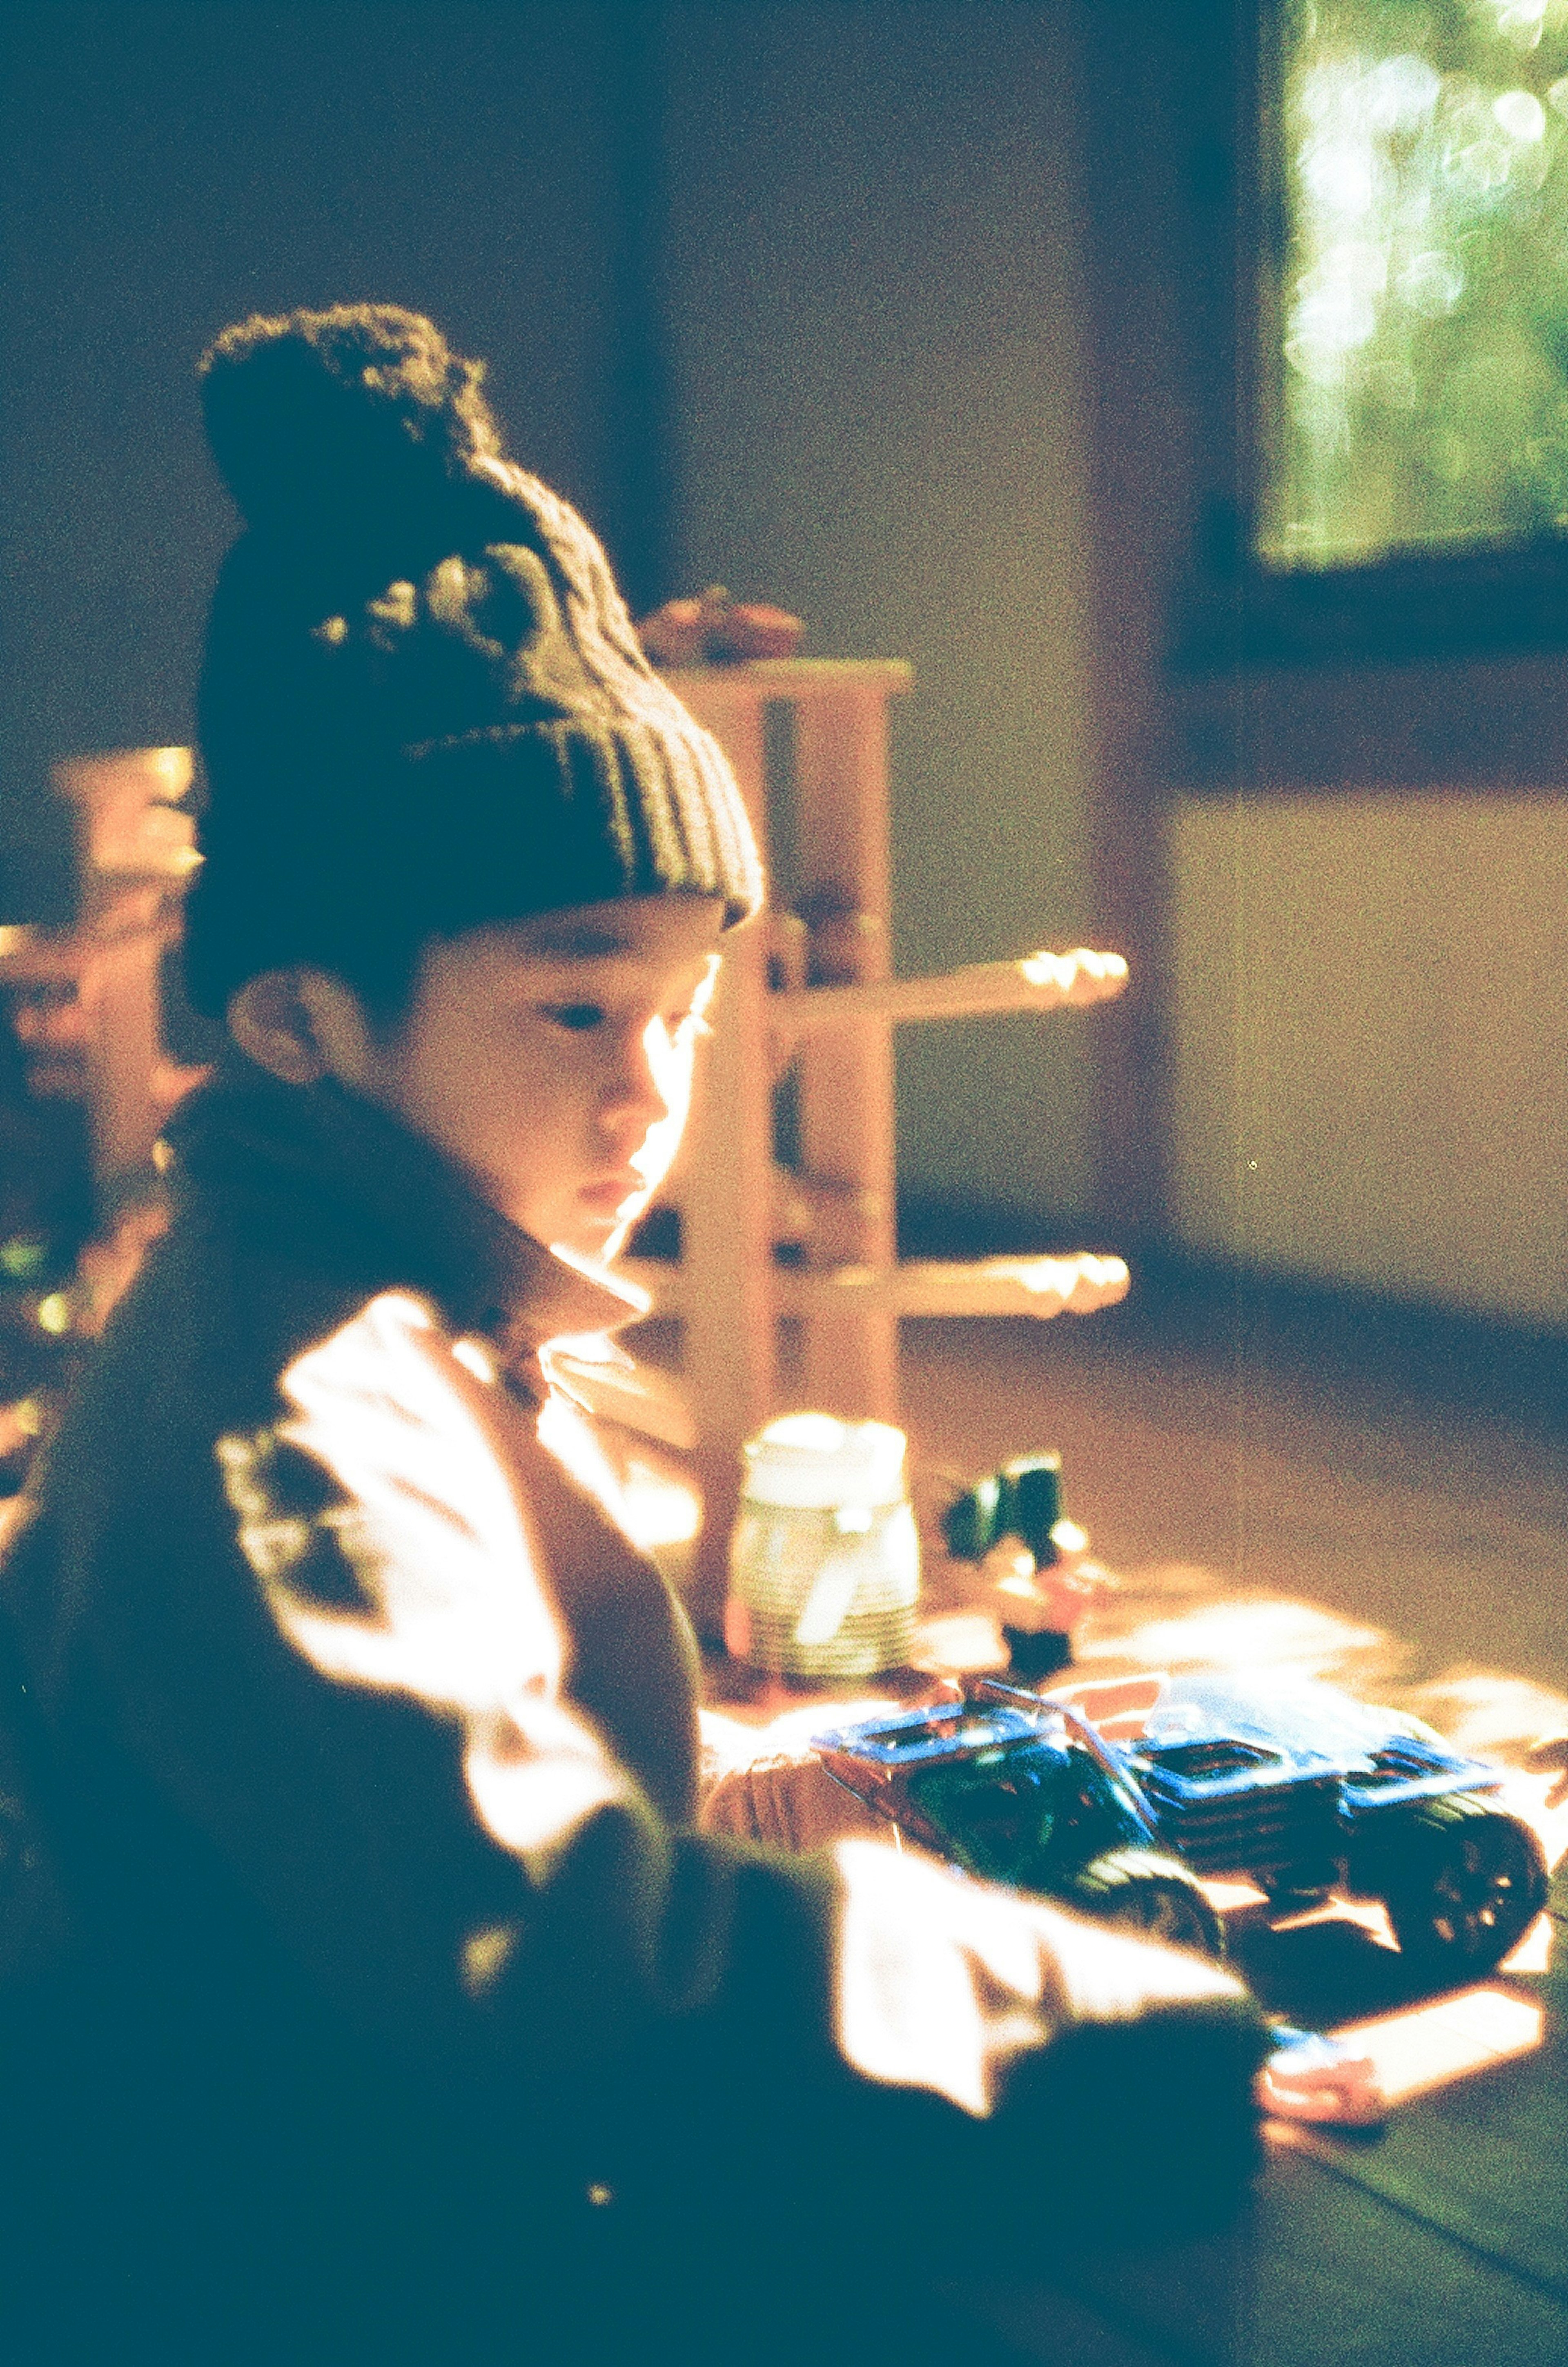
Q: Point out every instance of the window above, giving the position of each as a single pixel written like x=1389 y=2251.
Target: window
x=1414 y=373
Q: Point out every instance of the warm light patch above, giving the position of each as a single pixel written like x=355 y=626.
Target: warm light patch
x=173 y=769
x=485 y=1956
x=565 y=1432
x=1258 y=1632
x=23 y=1420
x=1082 y=1284
x=1484 y=1710
x=659 y=1509
x=427 y=1522
x=943 y=1981
x=1533 y=1953
x=1103 y=1699
x=1082 y=967
x=1426 y=2046
x=475 y=1359
x=417 y=1575
x=667 y=1050
x=1020 y=1585
x=1231 y=1898
x=536 y=1772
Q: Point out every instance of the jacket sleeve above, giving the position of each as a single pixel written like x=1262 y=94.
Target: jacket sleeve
x=390 y=1755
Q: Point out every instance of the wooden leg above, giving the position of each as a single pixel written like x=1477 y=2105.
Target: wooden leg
x=119 y=992
x=847 y=1120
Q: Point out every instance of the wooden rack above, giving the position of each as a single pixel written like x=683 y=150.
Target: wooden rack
x=813 y=989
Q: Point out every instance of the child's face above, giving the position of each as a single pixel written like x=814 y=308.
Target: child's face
x=553 y=1058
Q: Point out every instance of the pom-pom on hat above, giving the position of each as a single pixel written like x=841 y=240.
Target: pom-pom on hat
x=423 y=706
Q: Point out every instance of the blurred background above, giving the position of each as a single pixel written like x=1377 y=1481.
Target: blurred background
x=933 y=321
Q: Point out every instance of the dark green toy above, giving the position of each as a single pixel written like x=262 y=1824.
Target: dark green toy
x=1023 y=1500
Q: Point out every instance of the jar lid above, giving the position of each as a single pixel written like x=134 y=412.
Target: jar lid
x=814 y=1462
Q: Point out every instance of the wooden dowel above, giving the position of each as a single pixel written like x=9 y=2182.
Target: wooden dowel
x=1038 y=1286
x=849 y=1350
x=1041 y=982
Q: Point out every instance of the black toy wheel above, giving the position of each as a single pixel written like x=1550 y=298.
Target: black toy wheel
x=1151 y=1895
x=1468 y=1883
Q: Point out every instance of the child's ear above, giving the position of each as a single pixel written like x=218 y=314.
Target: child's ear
x=302 y=1024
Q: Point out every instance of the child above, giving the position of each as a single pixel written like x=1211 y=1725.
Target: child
x=406 y=2007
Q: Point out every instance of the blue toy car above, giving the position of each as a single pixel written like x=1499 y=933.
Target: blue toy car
x=1290 y=1786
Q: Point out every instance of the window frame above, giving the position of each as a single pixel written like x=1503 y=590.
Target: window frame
x=1234 y=608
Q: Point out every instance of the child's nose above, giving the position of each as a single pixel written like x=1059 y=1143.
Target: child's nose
x=638 y=1094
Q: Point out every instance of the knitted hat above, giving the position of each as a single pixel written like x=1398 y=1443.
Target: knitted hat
x=423 y=706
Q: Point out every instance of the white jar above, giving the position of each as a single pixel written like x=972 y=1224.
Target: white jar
x=825 y=1559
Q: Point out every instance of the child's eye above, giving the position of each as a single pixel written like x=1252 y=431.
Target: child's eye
x=579 y=1016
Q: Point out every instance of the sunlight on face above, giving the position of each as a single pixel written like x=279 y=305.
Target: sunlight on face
x=553 y=1058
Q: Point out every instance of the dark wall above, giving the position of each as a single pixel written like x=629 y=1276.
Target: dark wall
x=166 y=169
x=875 y=325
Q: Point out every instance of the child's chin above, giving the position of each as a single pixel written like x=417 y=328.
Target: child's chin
x=595 y=1242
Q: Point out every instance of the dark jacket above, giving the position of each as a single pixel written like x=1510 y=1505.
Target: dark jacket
x=400 y=1983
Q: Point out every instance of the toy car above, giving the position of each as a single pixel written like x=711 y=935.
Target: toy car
x=1124 y=1800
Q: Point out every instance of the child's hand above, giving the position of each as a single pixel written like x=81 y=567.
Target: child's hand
x=1310 y=2076
x=1550 y=1751
x=767 y=1784
x=790 y=1804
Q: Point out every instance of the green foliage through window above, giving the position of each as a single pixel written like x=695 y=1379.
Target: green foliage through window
x=1416 y=336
